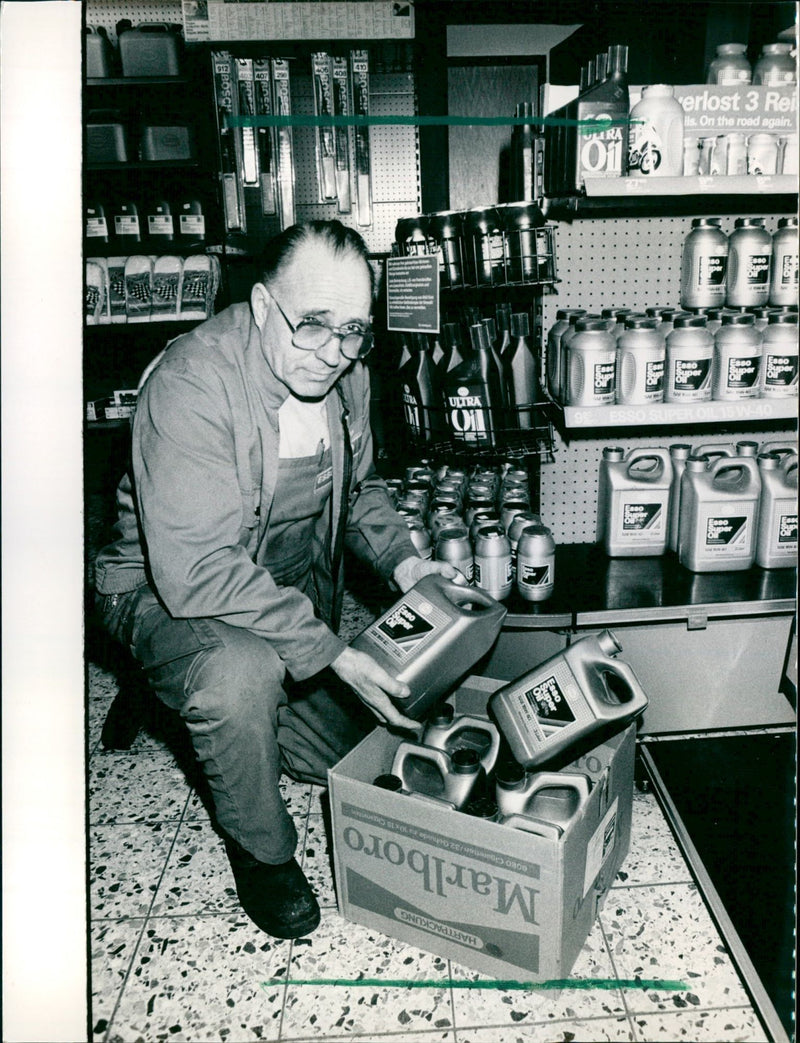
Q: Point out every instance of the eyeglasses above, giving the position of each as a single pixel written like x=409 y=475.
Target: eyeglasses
x=355 y=340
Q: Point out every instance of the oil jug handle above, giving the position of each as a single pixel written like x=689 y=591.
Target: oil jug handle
x=460 y=595
x=563 y=780
x=624 y=671
x=414 y=749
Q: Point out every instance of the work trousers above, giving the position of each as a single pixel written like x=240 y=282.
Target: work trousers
x=247 y=720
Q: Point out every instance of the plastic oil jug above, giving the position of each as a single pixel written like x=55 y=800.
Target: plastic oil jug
x=554 y=796
x=446 y=730
x=633 y=501
x=428 y=772
x=679 y=453
x=430 y=638
x=565 y=699
x=719 y=514
x=776 y=542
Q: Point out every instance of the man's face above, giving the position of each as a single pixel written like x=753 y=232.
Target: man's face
x=315 y=282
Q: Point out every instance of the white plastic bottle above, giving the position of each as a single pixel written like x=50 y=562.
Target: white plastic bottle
x=655 y=146
x=704 y=264
x=591 y=364
x=749 y=264
x=775 y=66
x=641 y=355
x=779 y=365
x=730 y=67
x=784 y=279
x=690 y=353
x=737 y=359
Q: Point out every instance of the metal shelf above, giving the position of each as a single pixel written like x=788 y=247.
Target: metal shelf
x=680 y=414
x=697 y=185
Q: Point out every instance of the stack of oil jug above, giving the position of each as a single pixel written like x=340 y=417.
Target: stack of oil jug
x=720 y=507
x=518 y=768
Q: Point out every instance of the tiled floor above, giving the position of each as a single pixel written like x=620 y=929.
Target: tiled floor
x=174 y=958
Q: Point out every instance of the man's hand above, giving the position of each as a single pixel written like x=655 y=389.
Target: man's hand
x=373 y=686
x=411 y=571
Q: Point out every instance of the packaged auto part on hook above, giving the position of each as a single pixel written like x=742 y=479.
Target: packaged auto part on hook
x=138 y=288
x=285 y=152
x=322 y=78
x=265 y=136
x=342 y=106
x=359 y=72
x=247 y=107
x=229 y=143
x=167 y=277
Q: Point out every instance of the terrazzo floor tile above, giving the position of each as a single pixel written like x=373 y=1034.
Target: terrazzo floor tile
x=198 y=879
x=516 y=1007
x=101 y=683
x=653 y=856
x=316 y=861
x=200 y=978
x=126 y=863
x=595 y=1030
x=319 y=800
x=379 y=1037
x=125 y=788
x=666 y=932
x=351 y=953
x=113 y=944
x=737 y=1025
x=296 y=797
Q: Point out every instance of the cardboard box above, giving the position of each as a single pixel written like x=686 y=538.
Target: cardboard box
x=507 y=903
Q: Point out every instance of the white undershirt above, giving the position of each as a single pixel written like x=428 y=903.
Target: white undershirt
x=303 y=428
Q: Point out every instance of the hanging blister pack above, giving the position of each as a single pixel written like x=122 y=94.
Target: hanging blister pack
x=167 y=273
x=138 y=288
x=116 y=289
x=322 y=77
x=195 y=287
x=95 y=296
x=265 y=136
x=359 y=72
x=342 y=106
x=247 y=107
x=229 y=145
x=282 y=104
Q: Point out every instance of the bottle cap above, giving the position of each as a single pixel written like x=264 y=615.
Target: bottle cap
x=565 y=313
x=706 y=222
x=743 y=318
x=590 y=324
x=749 y=222
x=783 y=318
x=481 y=807
x=508 y=774
x=685 y=321
x=442 y=714
x=389 y=781
x=520 y=325
x=640 y=322
x=465 y=761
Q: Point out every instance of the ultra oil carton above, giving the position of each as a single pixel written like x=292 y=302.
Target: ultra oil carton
x=500 y=900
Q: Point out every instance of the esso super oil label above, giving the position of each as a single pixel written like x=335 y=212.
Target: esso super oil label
x=642 y=517
x=654 y=379
x=743 y=371
x=409 y=627
x=787 y=529
x=549 y=702
x=690 y=374
x=758 y=269
x=780 y=371
x=729 y=534
x=604 y=381
x=711 y=270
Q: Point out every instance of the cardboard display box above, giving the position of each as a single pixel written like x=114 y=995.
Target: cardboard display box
x=501 y=901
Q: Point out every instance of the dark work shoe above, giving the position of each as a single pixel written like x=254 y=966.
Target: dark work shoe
x=278 y=899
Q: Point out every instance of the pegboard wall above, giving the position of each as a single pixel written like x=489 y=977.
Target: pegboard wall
x=616 y=263
x=394 y=149
x=108 y=12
